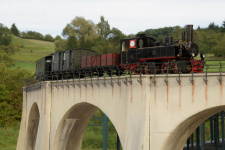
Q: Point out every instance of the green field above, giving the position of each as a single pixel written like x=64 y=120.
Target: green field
x=30 y=51
x=8 y=138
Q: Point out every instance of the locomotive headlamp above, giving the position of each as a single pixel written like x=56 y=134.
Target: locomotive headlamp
x=132 y=43
x=202 y=55
x=193 y=54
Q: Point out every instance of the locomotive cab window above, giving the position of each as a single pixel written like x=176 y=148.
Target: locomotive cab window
x=125 y=45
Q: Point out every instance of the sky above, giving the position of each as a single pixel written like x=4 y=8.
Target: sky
x=129 y=16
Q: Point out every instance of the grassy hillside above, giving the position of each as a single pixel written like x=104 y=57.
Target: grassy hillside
x=30 y=51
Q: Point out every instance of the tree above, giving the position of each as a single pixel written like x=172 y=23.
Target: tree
x=103 y=28
x=223 y=26
x=214 y=27
x=58 y=37
x=84 y=30
x=177 y=33
x=60 y=45
x=10 y=96
x=15 y=30
x=114 y=38
x=5 y=35
x=71 y=43
x=158 y=33
x=48 y=37
x=116 y=35
x=219 y=49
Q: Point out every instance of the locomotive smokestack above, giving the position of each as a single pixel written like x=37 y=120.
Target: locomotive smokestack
x=183 y=36
x=190 y=33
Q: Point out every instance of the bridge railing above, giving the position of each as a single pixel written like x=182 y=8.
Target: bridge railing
x=149 y=68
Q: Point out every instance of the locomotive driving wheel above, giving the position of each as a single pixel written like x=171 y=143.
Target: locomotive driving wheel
x=147 y=70
x=137 y=70
x=174 y=67
x=164 y=68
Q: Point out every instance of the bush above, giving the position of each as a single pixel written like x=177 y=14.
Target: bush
x=10 y=95
x=219 y=49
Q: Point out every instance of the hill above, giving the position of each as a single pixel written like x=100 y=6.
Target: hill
x=30 y=51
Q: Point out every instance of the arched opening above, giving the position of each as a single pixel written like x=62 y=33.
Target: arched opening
x=209 y=135
x=32 y=128
x=70 y=131
x=101 y=133
x=184 y=130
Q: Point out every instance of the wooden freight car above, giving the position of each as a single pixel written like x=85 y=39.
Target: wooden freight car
x=103 y=60
x=69 y=60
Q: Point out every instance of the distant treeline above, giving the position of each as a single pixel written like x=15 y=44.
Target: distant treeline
x=36 y=35
x=30 y=34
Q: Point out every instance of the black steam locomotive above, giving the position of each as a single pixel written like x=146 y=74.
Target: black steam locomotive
x=138 y=55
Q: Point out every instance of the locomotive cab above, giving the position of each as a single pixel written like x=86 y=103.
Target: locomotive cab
x=139 y=42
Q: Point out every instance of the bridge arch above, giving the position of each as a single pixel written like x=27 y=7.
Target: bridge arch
x=183 y=131
x=70 y=131
x=32 y=127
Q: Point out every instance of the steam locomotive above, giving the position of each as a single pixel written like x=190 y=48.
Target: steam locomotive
x=139 y=55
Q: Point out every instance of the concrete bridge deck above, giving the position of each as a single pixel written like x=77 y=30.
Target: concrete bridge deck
x=149 y=113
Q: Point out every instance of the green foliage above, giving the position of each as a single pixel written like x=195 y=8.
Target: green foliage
x=15 y=30
x=223 y=26
x=10 y=95
x=6 y=59
x=103 y=28
x=10 y=49
x=32 y=35
x=48 y=37
x=213 y=26
x=5 y=35
x=60 y=45
x=219 y=49
x=159 y=33
x=58 y=37
x=84 y=30
x=36 y=35
x=71 y=43
x=207 y=39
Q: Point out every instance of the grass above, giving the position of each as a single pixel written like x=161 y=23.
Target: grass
x=8 y=138
x=30 y=51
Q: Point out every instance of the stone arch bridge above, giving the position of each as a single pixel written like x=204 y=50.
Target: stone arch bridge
x=148 y=112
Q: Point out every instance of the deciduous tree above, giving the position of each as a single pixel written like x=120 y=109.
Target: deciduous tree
x=84 y=30
x=15 y=30
x=71 y=43
x=103 y=28
x=5 y=35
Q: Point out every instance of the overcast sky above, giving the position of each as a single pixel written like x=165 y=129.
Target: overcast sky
x=129 y=16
